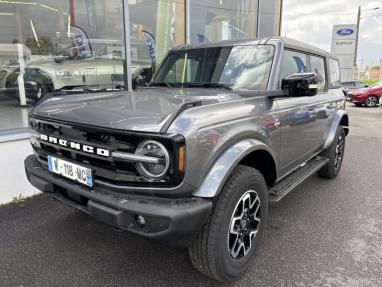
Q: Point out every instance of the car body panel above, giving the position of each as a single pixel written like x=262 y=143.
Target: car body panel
x=143 y=110
x=223 y=167
x=352 y=85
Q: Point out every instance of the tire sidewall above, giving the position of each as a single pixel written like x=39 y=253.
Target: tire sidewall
x=232 y=268
x=340 y=132
x=376 y=102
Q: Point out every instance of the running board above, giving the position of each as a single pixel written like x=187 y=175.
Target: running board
x=287 y=184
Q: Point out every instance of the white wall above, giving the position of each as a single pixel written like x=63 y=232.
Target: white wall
x=13 y=181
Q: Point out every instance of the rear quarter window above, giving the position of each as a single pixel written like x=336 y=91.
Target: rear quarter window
x=335 y=77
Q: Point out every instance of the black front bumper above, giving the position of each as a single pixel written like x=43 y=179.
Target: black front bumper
x=171 y=221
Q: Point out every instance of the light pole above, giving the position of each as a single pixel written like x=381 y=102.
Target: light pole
x=358 y=23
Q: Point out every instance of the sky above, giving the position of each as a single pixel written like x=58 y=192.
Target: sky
x=312 y=21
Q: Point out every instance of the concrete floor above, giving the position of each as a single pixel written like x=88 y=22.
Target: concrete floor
x=325 y=233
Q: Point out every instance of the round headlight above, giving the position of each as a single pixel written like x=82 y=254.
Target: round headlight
x=154 y=150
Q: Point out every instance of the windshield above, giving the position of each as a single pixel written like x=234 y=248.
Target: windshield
x=376 y=85
x=239 y=67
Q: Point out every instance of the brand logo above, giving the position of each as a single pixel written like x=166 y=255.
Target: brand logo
x=75 y=145
x=345 y=32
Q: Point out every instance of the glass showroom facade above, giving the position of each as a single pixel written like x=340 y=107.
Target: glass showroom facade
x=58 y=47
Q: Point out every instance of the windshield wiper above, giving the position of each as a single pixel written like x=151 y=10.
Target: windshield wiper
x=217 y=85
x=162 y=84
x=208 y=85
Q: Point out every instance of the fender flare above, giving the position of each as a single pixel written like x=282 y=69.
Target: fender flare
x=333 y=128
x=225 y=164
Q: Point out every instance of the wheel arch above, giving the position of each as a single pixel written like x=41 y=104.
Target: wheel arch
x=249 y=152
x=341 y=118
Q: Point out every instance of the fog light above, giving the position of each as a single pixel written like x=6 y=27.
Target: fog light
x=140 y=220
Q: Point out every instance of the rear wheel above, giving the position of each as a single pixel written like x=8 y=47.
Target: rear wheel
x=371 y=101
x=335 y=153
x=226 y=246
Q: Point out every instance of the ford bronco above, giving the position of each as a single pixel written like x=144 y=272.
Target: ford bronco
x=194 y=160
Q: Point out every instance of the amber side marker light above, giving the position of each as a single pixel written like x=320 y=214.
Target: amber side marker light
x=181 y=158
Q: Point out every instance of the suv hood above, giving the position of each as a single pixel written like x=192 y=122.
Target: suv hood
x=142 y=110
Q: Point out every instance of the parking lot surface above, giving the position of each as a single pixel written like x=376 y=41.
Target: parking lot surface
x=325 y=233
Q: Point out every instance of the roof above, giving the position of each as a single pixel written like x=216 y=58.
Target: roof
x=288 y=43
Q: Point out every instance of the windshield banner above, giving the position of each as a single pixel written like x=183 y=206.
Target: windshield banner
x=81 y=44
x=150 y=44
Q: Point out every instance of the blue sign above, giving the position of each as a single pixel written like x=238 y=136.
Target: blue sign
x=345 y=32
x=150 y=44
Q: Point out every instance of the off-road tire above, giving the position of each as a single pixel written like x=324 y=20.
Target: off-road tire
x=209 y=252
x=332 y=168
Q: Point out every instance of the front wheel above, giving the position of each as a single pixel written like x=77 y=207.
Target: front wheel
x=335 y=153
x=371 y=101
x=35 y=91
x=226 y=246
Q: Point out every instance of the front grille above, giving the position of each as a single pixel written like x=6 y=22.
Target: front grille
x=106 y=169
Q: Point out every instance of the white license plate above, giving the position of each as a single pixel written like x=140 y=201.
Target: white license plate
x=70 y=170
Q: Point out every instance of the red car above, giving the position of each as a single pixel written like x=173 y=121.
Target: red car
x=369 y=96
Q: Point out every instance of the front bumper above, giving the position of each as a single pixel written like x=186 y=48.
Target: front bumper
x=357 y=99
x=171 y=221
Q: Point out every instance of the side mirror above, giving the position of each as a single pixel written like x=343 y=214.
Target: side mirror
x=301 y=85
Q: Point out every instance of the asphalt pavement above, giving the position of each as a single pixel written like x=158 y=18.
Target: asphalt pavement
x=325 y=233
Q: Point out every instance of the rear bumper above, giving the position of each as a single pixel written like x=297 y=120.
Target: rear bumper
x=171 y=221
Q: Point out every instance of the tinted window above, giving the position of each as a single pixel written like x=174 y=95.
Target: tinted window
x=293 y=62
x=335 y=78
x=317 y=66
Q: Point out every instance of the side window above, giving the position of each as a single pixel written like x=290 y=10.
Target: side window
x=317 y=66
x=335 y=78
x=293 y=62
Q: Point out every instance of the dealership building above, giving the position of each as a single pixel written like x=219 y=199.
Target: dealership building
x=78 y=46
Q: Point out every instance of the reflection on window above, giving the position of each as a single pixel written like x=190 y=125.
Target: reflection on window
x=317 y=66
x=213 y=20
x=67 y=46
x=292 y=62
x=335 y=78
x=239 y=67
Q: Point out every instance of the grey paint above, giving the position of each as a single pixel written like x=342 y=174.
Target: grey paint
x=226 y=127
x=224 y=166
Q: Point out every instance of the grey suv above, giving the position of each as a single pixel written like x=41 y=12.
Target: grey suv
x=194 y=160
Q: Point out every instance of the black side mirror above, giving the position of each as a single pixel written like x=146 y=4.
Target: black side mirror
x=301 y=85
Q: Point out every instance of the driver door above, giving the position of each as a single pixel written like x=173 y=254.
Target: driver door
x=297 y=117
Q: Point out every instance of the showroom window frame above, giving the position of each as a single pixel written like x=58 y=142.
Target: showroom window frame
x=23 y=132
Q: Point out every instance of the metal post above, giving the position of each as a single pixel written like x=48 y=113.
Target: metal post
x=258 y=19
x=20 y=78
x=188 y=21
x=356 y=41
x=127 y=64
